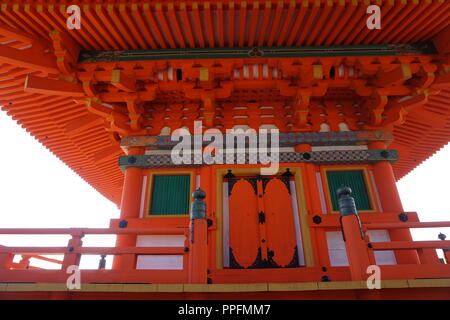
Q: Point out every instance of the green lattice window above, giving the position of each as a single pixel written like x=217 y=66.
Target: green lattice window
x=353 y=179
x=170 y=195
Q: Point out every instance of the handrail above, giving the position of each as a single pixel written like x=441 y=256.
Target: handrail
x=408 y=245
x=94 y=250
x=407 y=225
x=84 y=231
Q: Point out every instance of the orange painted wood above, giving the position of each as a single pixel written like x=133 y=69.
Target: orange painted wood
x=408 y=225
x=356 y=248
x=281 y=275
x=279 y=224
x=407 y=245
x=390 y=201
x=53 y=87
x=97 y=276
x=28 y=58
x=130 y=206
x=244 y=229
x=143 y=230
x=198 y=253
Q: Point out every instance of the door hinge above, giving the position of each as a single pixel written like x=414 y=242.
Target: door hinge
x=262 y=217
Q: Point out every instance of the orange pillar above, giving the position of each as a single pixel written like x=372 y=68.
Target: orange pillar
x=391 y=203
x=318 y=238
x=129 y=209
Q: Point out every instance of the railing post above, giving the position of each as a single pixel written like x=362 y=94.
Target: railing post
x=6 y=260
x=442 y=237
x=198 y=260
x=71 y=258
x=355 y=244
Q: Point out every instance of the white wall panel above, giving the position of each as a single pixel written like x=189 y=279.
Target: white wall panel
x=160 y=241
x=159 y=262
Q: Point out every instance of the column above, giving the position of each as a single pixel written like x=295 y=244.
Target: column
x=318 y=237
x=391 y=203
x=129 y=209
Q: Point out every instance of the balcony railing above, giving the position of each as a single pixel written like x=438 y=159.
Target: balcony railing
x=197 y=266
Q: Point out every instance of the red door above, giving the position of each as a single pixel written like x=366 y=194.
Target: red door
x=261 y=225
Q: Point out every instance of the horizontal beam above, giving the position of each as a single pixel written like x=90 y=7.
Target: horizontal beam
x=408 y=245
x=93 y=250
x=408 y=225
x=286 y=139
x=267 y=52
x=29 y=58
x=84 y=231
x=318 y=157
x=53 y=87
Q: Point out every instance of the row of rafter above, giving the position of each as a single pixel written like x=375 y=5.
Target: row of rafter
x=229 y=23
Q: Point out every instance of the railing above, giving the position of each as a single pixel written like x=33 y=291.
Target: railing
x=360 y=250
x=10 y=271
x=193 y=252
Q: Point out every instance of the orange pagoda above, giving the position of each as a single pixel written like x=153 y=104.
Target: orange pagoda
x=108 y=85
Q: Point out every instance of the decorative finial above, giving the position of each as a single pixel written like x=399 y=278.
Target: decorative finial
x=198 y=207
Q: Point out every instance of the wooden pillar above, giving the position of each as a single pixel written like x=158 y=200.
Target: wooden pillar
x=198 y=260
x=318 y=237
x=355 y=244
x=129 y=209
x=390 y=201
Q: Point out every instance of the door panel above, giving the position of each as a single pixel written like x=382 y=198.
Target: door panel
x=244 y=229
x=262 y=231
x=280 y=228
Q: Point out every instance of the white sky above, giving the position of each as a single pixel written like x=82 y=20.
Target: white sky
x=37 y=190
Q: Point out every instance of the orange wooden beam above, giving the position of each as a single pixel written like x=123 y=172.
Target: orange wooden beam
x=28 y=58
x=53 y=87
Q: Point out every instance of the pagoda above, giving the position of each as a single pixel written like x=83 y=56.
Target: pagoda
x=345 y=108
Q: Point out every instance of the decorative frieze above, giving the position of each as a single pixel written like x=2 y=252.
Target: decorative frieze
x=291 y=139
x=316 y=157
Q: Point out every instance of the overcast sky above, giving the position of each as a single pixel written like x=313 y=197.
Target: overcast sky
x=37 y=190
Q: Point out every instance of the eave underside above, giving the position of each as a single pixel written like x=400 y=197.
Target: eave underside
x=79 y=139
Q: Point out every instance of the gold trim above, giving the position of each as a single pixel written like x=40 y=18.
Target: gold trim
x=242 y=287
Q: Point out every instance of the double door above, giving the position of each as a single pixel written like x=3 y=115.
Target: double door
x=261 y=223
